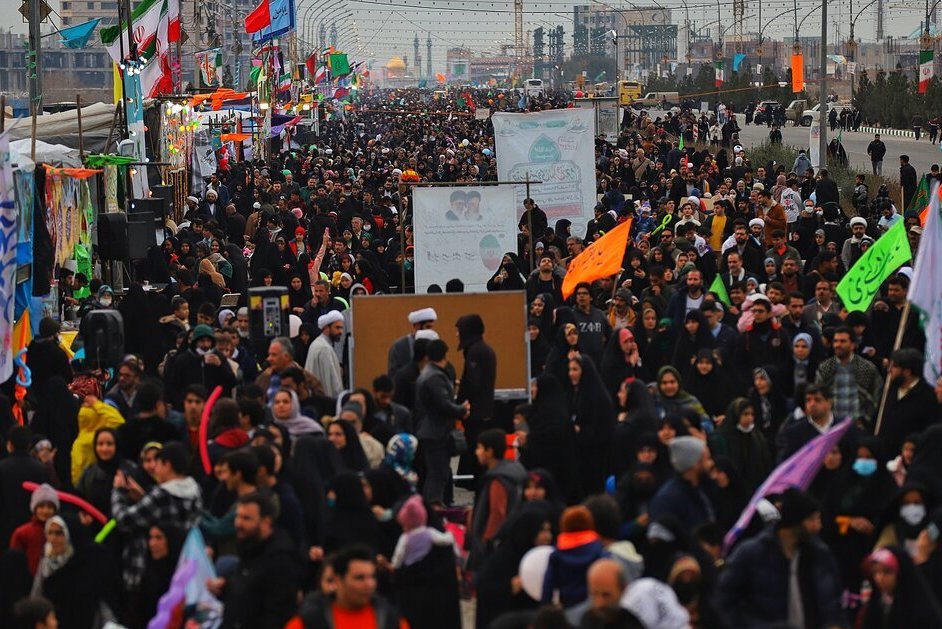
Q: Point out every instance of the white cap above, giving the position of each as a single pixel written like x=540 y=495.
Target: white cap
x=257 y=205
x=420 y=316
x=327 y=319
x=212 y=192
x=694 y=200
x=193 y=199
x=858 y=220
x=757 y=221
x=428 y=335
x=294 y=325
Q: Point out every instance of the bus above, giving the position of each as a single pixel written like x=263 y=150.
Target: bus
x=534 y=87
x=628 y=91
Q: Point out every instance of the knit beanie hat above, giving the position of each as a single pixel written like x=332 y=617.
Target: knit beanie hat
x=686 y=452
x=412 y=514
x=44 y=493
x=575 y=519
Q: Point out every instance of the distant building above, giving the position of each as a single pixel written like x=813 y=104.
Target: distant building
x=66 y=72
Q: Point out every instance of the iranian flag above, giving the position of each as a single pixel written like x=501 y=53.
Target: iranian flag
x=718 y=73
x=925 y=69
x=156 y=77
x=145 y=20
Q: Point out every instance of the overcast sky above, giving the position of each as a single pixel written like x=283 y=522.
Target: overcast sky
x=379 y=29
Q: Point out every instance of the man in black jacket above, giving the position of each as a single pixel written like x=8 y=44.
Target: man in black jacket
x=199 y=364
x=877 y=150
x=263 y=592
x=908 y=180
x=911 y=405
x=18 y=466
x=435 y=413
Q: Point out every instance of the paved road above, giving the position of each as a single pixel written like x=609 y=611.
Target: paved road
x=921 y=154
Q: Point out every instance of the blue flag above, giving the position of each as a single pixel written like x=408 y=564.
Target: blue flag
x=737 y=61
x=77 y=36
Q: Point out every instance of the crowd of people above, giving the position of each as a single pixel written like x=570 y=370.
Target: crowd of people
x=661 y=399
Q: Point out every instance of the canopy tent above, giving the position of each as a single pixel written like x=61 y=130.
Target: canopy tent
x=96 y=120
x=52 y=154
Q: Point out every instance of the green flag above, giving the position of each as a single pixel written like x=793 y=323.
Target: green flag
x=921 y=200
x=719 y=288
x=680 y=144
x=860 y=285
x=339 y=64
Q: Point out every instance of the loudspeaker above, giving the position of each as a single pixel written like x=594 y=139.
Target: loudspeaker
x=165 y=193
x=102 y=332
x=141 y=236
x=113 y=236
x=157 y=206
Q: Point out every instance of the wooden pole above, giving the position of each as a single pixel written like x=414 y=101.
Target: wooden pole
x=900 y=331
x=3 y=112
x=78 y=111
x=529 y=212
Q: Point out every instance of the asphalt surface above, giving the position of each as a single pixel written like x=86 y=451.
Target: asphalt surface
x=921 y=154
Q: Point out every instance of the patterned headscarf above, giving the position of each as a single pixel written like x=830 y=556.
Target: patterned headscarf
x=400 y=452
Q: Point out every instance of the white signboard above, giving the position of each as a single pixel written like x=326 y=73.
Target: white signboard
x=607 y=118
x=555 y=147
x=814 y=138
x=462 y=232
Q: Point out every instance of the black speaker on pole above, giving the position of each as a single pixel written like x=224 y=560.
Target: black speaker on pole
x=102 y=332
x=156 y=205
x=113 y=236
x=165 y=193
x=141 y=235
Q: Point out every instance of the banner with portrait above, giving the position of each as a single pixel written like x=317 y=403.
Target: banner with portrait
x=555 y=147
x=462 y=232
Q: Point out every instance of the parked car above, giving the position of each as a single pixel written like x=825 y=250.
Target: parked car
x=657 y=99
x=812 y=114
x=764 y=111
x=795 y=109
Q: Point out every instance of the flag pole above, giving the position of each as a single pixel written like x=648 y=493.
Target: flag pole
x=900 y=331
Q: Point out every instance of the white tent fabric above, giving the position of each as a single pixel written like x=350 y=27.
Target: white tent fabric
x=95 y=118
x=54 y=154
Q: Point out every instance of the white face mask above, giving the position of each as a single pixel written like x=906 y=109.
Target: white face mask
x=106 y=301
x=201 y=351
x=912 y=514
x=745 y=429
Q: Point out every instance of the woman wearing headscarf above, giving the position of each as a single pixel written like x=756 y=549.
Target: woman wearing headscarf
x=672 y=399
x=345 y=439
x=313 y=465
x=286 y=410
x=57 y=418
x=593 y=421
x=901 y=596
x=767 y=401
x=212 y=291
x=746 y=448
x=73 y=574
x=97 y=480
x=542 y=308
x=905 y=518
x=727 y=494
x=636 y=415
x=164 y=543
x=539 y=346
x=654 y=337
x=548 y=442
x=208 y=268
x=239 y=282
x=694 y=337
x=709 y=383
x=532 y=525
x=565 y=345
x=349 y=518
x=853 y=506
x=398 y=462
x=622 y=360
x=803 y=365
x=299 y=294
x=507 y=276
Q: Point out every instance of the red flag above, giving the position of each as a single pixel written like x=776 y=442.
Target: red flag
x=311 y=64
x=259 y=18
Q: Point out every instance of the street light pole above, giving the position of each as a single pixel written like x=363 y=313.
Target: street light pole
x=822 y=92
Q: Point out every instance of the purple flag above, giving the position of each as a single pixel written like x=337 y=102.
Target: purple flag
x=798 y=470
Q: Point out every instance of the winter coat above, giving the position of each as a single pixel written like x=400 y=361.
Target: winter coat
x=263 y=592
x=91 y=419
x=435 y=406
x=753 y=588
x=568 y=566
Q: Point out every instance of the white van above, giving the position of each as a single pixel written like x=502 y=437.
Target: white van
x=534 y=87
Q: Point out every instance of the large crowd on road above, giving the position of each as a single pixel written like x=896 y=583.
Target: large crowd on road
x=661 y=399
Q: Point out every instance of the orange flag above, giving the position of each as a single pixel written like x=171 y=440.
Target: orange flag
x=798 y=72
x=601 y=259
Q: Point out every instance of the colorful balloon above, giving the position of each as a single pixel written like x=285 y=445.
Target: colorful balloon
x=71 y=499
x=204 y=430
